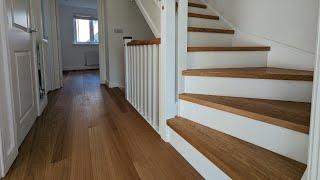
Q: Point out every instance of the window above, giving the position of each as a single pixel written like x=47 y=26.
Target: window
x=85 y=30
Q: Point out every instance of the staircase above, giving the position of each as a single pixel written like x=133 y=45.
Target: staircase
x=239 y=118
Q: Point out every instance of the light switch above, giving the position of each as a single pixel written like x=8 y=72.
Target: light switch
x=117 y=30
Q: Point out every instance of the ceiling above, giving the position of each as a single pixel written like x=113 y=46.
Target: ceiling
x=92 y=4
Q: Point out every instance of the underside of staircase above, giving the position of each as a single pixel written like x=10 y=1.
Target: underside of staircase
x=239 y=118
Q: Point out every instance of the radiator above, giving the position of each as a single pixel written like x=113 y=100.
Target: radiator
x=91 y=58
x=42 y=62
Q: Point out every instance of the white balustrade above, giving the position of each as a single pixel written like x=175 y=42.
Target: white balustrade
x=142 y=79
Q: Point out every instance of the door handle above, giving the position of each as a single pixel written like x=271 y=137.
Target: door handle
x=32 y=30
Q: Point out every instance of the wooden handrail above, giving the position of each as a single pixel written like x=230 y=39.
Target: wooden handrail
x=144 y=42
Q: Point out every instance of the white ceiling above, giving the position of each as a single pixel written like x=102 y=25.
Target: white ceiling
x=92 y=4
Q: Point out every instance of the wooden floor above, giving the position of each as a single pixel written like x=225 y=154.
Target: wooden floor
x=89 y=132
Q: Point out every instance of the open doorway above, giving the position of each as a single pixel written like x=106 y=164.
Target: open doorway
x=79 y=35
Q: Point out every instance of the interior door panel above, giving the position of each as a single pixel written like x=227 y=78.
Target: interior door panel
x=25 y=89
x=22 y=67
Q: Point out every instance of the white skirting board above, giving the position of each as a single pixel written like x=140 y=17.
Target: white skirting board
x=113 y=84
x=274 y=138
x=80 y=68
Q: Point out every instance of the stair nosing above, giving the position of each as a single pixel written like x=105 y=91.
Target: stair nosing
x=203 y=16
x=246 y=113
x=272 y=76
x=197 y=5
x=210 y=30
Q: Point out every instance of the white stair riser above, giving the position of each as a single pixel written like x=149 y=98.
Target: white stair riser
x=204 y=166
x=286 y=142
x=209 y=39
x=285 y=90
x=203 y=60
x=200 y=11
x=205 y=23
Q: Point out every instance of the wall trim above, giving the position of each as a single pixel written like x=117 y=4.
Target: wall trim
x=80 y=68
x=54 y=44
x=114 y=84
x=148 y=19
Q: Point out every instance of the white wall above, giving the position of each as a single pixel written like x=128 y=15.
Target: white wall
x=124 y=15
x=73 y=56
x=289 y=26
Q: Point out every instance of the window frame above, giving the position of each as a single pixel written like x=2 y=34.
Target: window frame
x=84 y=17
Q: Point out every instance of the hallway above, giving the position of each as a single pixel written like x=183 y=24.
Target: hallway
x=89 y=132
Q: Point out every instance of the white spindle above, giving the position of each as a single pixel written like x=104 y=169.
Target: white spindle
x=126 y=53
x=155 y=86
x=136 y=76
x=149 y=80
x=131 y=73
x=133 y=76
x=145 y=80
x=142 y=81
x=139 y=77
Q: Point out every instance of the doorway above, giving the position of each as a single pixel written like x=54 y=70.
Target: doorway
x=79 y=35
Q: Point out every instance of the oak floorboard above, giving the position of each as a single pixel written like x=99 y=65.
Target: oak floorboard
x=89 y=131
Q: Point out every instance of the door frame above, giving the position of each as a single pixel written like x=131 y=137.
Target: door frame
x=101 y=11
x=8 y=136
x=55 y=42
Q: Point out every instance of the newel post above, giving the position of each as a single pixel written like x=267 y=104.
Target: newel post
x=182 y=42
x=167 y=67
x=126 y=39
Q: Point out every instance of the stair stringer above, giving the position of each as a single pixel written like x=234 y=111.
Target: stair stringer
x=151 y=11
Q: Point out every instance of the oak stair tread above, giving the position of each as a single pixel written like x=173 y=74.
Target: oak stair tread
x=203 y=16
x=286 y=114
x=254 y=73
x=197 y=5
x=229 y=48
x=237 y=158
x=210 y=30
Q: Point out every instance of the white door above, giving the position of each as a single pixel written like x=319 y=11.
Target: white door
x=22 y=65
